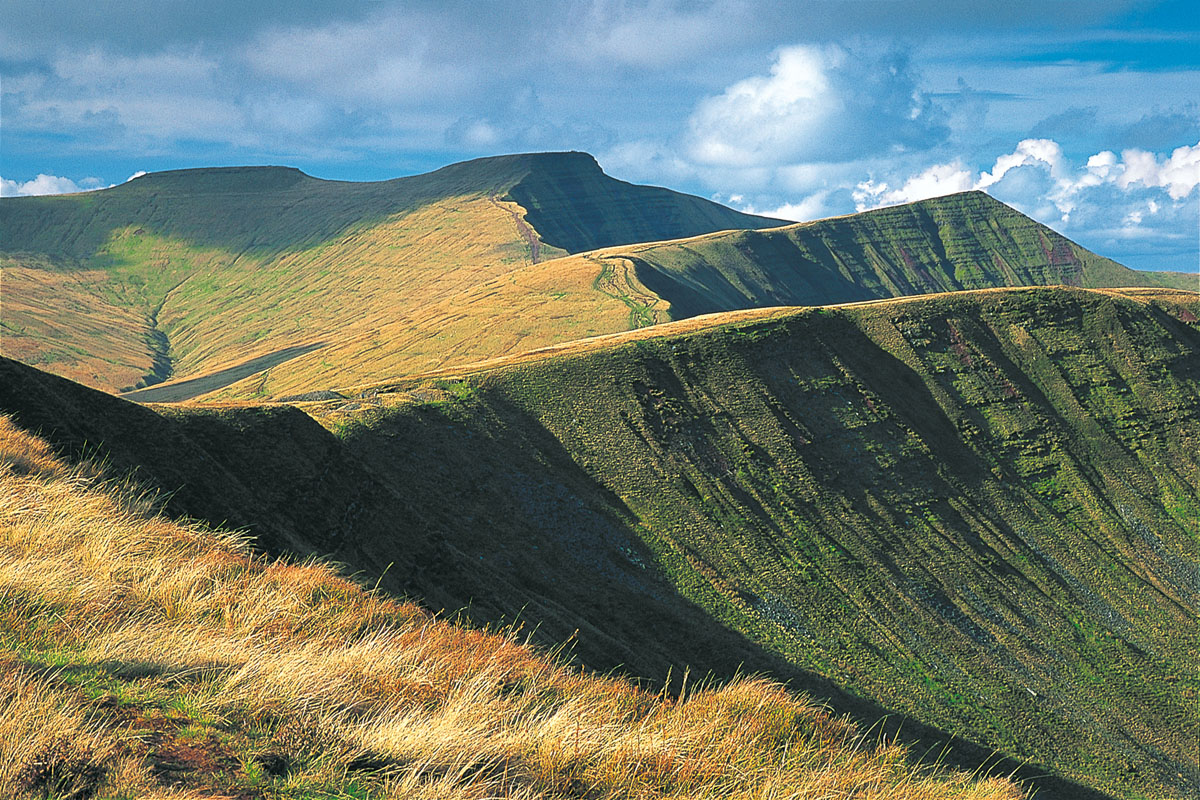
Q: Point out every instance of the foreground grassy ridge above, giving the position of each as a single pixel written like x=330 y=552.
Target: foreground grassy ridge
x=233 y=263
x=979 y=509
x=147 y=658
x=976 y=509
x=962 y=241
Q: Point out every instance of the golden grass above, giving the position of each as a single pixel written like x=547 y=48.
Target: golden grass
x=36 y=330
x=132 y=644
x=702 y=322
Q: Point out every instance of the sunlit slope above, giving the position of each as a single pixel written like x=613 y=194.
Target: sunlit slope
x=544 y=304
x=962 y=241
x=220 y=265
x=975 y=509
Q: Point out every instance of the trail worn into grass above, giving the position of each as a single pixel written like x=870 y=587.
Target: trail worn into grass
x=194 y=387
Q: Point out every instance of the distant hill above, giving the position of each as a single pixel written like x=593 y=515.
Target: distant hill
x=175 y=273
x=977 y=510
x=259 y=282
x=946 y=244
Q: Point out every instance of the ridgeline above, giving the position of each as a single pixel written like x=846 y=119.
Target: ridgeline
x=975 y=510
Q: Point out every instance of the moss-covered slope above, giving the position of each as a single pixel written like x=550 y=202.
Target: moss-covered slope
x=977 y=510
x=962 y=241
x=980 y=510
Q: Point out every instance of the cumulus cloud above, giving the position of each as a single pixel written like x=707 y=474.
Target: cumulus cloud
x=47 y=184
x=819 y=103
x=1179 y=174
x=938 y=180
x=814 y=206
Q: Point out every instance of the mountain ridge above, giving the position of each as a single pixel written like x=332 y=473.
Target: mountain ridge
x=196 y=258
x=472 y=261
x=941 y=503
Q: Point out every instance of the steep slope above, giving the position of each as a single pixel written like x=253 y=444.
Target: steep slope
x=965 y=241
x=195 y=269
x=977 y=510
x=952 y=243
x=144 y=658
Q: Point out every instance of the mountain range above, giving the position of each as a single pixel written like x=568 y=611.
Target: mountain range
x=934 y=464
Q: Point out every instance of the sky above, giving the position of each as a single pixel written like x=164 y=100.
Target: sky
x=1084 y=114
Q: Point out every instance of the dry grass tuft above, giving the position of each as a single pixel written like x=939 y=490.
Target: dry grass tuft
x=149 y=658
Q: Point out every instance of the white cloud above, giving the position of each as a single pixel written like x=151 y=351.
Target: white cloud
x=817 y=104
x=1029 y=151
x=47 y=184
x=1178 y=174
x=938 y=180
x=811 y=207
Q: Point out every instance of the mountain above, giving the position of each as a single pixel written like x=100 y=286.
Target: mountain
x=975 y=511
x=177 y=273
x=946 y=244
x=259 y=282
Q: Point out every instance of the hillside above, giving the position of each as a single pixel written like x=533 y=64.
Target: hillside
x=960 y=242
x=976 y=511
x=178 y=273
x=945 y=244
x=145 y=658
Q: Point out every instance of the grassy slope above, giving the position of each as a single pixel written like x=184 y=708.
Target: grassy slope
x=148 y=658
x=978 y=510
x=238 y=262
x=963 y=241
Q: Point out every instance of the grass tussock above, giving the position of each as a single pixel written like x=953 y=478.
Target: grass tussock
x=146 y=658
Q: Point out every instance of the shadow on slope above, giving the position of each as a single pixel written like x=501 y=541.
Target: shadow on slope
x=481 y=509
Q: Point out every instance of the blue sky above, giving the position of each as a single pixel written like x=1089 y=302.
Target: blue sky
x=1083 y=113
